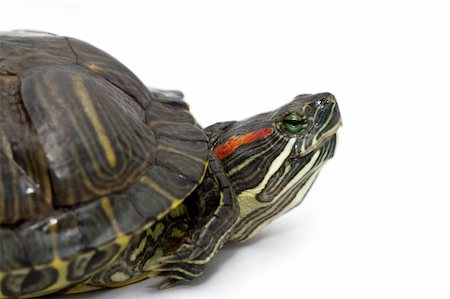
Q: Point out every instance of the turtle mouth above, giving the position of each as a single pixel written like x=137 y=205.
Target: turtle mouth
x=322 y=140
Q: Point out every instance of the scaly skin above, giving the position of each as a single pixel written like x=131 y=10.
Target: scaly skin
x=179 y=246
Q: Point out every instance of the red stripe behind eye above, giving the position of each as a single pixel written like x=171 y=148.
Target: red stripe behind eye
x=228 y=147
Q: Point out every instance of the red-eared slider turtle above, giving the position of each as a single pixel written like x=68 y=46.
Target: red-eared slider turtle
x=105 y=182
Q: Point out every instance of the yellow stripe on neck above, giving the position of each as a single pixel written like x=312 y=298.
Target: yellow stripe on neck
x=247 y=198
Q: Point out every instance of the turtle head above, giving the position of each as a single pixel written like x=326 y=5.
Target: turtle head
x=273 y=158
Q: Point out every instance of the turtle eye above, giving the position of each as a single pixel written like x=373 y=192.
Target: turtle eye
x=294 y=123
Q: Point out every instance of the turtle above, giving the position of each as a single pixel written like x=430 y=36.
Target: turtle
x=105 y=181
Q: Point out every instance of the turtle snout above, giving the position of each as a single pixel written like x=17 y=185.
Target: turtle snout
x=327 y=110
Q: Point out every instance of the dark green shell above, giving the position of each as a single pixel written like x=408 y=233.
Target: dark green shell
x=88 y=157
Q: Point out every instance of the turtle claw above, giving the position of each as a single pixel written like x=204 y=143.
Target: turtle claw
x=169 y=283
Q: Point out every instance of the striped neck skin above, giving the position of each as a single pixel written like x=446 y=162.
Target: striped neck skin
x=272 y=159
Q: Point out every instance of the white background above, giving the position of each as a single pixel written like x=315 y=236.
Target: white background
x=375 y=225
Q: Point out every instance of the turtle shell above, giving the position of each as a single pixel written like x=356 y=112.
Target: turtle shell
x=89 y=156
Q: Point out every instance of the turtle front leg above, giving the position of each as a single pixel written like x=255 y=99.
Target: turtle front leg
x=219 y=212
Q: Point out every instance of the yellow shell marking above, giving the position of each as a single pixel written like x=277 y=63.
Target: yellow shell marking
x=106 y=205
x=149 y=182
x=152 y=184
x=82 y=288
x=93 y=117
x=121 y=239
x=175 y=151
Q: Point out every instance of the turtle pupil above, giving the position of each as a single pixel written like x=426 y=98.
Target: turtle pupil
x=294 y=123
